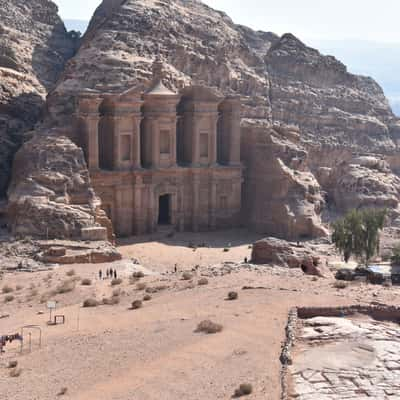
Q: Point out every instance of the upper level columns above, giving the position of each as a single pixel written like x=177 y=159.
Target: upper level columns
x=88 y=115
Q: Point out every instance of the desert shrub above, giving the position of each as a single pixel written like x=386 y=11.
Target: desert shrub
x=63 y=391
x=65 y=287
x=111 y=301
x=138 y=274
x=156 y=289
x=226 y=250
x=18 y=288
x=187 y=276
x=9 y=298
x=15 y=372
x=208 y=327
x=141 y=286
x=244 y=390
x=137 y=304
x=146 y=297
x=71 y=272
x=44 y=297
x=90 y=303
x=116 y=292
x=12 y=364
x=7 y=289
x=340 y=285
x=233 y=295
x=203 y=281
x=116 y=282
x=86 y=282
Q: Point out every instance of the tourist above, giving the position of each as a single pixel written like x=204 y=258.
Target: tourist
x=245 y=260
x=108 y=273
x=100 y=274
x=115 y=274
x=176 y=268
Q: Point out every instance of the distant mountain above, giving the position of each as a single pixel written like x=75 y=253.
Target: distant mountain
x=76 y=25
x=381 y=61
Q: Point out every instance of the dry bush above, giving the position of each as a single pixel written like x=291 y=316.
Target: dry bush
x=244 y=390
x=62 y=392
x=146 y=297
x=7 y=289
x=18 y=288
x=187 y=276
x=233 y=295
x=111 y=301
x=71 y=272
x=90 y=303
x=44 y=298
x=15 y=372
x=226 y=250
x=116 y=292
x=141 y=286
x=86 y=282
x=208 y=327
x=138 y=274
x=203 y=281
x=116 y=282
x=65 y=287
x=12 y=364
x=156 y=289
x=137 y=304
x=9 y=298
x=340 y=285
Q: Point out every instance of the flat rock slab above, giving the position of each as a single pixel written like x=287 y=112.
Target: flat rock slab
x=338 y=358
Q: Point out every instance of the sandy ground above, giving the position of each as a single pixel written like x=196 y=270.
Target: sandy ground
x=114 y=353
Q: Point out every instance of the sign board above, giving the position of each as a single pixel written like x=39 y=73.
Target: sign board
x=51 y=305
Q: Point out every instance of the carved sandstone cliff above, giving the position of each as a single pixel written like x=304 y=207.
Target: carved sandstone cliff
x=278 y=78
x=34 y=46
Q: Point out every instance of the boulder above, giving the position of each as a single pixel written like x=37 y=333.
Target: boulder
x=290 y=255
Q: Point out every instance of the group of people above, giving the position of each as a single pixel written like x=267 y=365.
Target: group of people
x=110 y=274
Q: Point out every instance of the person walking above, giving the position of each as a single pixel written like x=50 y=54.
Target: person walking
x=100 y=274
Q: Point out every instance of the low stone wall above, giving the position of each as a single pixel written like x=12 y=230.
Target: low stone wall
x=378 y=312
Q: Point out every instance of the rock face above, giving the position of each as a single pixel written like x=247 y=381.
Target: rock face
x=279 y=78
x=361 y=182
x=281 y=253
x=281 y=197
x=34 y=46
x=50 y=194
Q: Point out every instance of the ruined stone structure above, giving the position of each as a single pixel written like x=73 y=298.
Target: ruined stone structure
x=161 y=158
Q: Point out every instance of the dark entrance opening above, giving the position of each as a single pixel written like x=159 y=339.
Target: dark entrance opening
x=164 y=213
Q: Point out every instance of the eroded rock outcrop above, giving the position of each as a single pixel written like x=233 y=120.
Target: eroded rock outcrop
x=364 y=181
x=281 y=196
x=34 y=46
x=50 y=194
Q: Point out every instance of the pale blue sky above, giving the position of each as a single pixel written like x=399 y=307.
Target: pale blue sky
x=308 y=19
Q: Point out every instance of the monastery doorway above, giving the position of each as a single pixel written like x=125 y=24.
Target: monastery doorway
x=164 y=210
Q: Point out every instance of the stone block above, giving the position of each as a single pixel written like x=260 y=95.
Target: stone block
x=94 y=233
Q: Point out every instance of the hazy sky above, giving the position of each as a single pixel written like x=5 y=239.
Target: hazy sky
x=339 y=19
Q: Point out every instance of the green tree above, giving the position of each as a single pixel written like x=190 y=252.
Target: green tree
x=357 y=234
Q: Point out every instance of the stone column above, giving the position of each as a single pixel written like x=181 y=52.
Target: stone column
x=213 y=204
x=116 y=147
x=92 y=132
x=173 y=142
x=195 y=142
x=195 y=211
x=155 y=144
x=213 y=141
x=136 y=143
x=139 y=221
